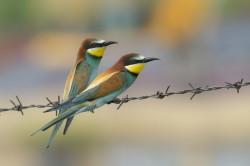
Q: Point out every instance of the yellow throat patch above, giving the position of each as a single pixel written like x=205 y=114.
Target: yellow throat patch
x=98 y=52
x=135 y=68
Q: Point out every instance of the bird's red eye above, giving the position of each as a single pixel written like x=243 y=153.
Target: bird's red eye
x=133 y=61
x=93 y=45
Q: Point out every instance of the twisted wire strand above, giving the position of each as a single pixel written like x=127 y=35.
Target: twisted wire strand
x=158 y=95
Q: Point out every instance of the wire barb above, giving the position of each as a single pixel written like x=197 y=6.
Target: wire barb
x=124 y=100
x=158 y=95
x=237 y=85
x=195 y=91
x=18 y=107
x=58 y=101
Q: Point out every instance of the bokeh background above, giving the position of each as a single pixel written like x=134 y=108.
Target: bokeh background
x=205 y=42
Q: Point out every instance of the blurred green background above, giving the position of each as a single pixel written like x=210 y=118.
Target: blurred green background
x=198 y=41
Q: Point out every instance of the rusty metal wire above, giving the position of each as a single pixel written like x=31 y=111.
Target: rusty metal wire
x=158 y=95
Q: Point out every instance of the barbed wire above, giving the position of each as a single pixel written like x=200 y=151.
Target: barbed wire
x=158 y=95
x=19 y=107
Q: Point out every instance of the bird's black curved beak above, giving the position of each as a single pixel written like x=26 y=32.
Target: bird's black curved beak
x=149 y=59
x=107 y=43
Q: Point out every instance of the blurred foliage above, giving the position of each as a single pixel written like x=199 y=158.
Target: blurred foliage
x=41 y=38
x=14 y=13
x=76 y=14
x=235 y=7
x=177 y=19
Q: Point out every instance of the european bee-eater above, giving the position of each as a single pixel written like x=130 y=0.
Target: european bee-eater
x=82 y=74
x=104 y=88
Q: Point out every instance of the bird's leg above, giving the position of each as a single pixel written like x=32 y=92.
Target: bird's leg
x=92 y=111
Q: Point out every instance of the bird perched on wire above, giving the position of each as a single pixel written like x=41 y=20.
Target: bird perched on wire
x=82 y=74
x=103 y=89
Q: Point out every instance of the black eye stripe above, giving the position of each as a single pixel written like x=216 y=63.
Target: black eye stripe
x=133 y=61
x=94 y=45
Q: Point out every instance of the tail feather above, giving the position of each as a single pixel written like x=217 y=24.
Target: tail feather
x=55 y=121
x=69 y=120
x=52 y=136
x=65 y=115
x=54 y=132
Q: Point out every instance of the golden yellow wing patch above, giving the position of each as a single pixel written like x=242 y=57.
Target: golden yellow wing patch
x=77 y=79
x=99 y=80
x=115 y=82
x=68 y=84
